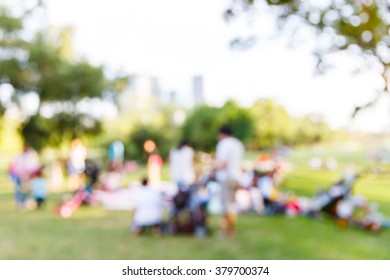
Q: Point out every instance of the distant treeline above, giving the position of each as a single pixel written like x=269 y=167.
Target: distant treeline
x=263 y=125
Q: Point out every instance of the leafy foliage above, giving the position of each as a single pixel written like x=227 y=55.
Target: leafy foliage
x=361 y=27
x=164 y=141
x=263 y=125
x=44 y=66
x=39 y=132
x=203 y=124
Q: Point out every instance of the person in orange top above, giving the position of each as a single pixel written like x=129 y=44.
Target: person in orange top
x=154 y=165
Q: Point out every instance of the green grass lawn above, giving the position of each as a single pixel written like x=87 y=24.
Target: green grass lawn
x=94 y=233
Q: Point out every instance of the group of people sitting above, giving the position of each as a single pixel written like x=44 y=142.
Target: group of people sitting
x=180 y=206
x=183 y=205
x=183 y=213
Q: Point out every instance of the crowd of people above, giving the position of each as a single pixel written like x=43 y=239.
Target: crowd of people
x=182 y=205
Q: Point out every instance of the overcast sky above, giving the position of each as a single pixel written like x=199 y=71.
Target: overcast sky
x=176 y=39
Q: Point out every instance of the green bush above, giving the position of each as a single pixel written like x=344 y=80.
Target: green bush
x=165 y=138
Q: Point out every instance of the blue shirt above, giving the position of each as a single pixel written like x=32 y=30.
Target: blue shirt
x=116 y=151
x=38 y=188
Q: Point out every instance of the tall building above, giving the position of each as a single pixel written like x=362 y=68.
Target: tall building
x=142 y=92
x=145 y=93
x=174 y=98
x=197 y=82
x=156 y=89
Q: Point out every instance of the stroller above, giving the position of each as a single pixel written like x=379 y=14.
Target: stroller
x=326 y=201
x=83 y=196
x=348 y=209
x=189 y=213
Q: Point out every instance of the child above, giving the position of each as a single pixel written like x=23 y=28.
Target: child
x=38 y=187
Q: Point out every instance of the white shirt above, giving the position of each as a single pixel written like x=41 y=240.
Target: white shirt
x=231 y=151
x=265 y=185
x=181 y=165
x=148 y=206
x=77 y=156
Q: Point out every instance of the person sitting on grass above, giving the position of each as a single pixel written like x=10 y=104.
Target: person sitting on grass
x=148 y=206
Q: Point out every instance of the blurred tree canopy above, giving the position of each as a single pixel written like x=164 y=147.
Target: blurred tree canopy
x=41 y=65
x=164 y=141
x=263 y=125
x=272 y=124
x=360 y=27
x=202 y=125
x=161 y=130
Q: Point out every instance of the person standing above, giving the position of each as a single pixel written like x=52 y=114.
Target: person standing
x=116 y=153
x=227 y=167
x=38 y=187
x=154 y=164
x=76 y=164
x=181 y=165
